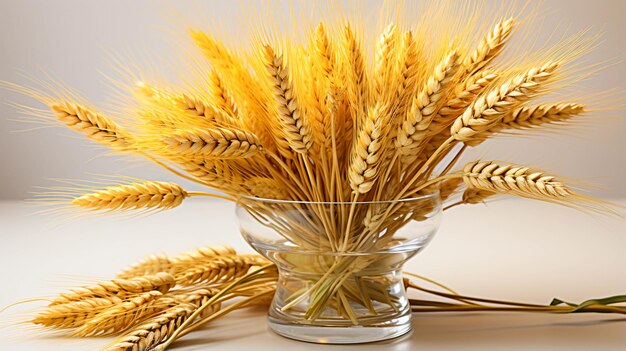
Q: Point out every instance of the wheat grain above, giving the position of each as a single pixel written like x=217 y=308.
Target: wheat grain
x=267 y=188
x=476 y=196
x=145 y=195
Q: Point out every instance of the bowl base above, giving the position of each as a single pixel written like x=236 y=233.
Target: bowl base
x=341 y=335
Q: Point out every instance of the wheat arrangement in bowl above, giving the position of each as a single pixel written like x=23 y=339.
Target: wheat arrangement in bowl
x=328 y=142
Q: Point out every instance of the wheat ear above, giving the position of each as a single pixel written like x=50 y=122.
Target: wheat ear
x=367 y=151
x=220 y=95
x=476 y=196
x=407 y=78
x=94 y=125
x=145 y=195
x=295 y=127
x=491 y=107
x=75 y=313
x=489 y=47
x=502 y=178
x=161 y=282
x=221 y=143
x=384 y=67
x=357 y=78
x=153 y=331
x=176 y=263
x=425 y=106
x=245 y=87
x=449 y=187
x=464 y=95
x=531 y=117
x=219 y=269
x=120 y=316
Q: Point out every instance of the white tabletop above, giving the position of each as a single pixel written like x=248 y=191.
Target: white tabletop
x=513 y=249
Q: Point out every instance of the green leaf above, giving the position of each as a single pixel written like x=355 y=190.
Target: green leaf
x=603 y=301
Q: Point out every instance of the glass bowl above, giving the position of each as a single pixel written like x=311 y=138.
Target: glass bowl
x=340 y=264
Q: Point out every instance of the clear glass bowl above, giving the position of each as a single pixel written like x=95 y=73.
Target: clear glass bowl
x=339 y=264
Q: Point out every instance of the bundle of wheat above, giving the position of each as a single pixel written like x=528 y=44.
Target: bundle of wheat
x=314 y=122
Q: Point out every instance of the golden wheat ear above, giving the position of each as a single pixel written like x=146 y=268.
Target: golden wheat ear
x=487 y=178
x=66 y=108
x=138 y=195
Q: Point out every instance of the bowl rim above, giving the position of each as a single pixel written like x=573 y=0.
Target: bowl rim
x=433 y=195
